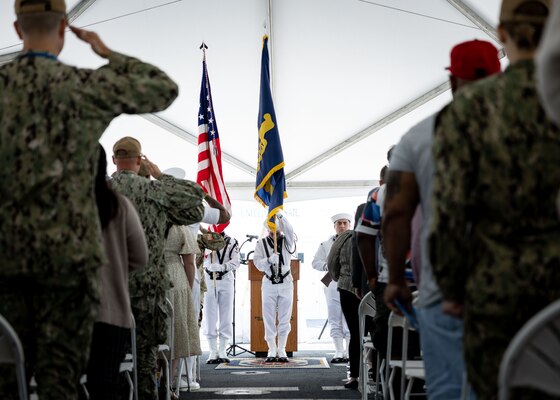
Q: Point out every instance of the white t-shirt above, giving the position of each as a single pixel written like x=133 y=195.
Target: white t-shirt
x=414 y=154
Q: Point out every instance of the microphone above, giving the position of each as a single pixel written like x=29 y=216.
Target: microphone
x=251 y=237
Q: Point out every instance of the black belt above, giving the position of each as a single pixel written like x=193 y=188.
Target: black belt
x=219 y=274
x=276 y=279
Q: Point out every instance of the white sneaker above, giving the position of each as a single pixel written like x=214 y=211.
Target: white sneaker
x=194 y=385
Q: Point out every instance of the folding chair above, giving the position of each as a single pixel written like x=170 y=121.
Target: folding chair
x=466 y=388
x=398 y=321
x=413 y=371
x=11 y=352
x=168 y=348
x=366 y=308
x=531 y=359
x=83 y=385
x=179 y=371
x=412 y=374
x=128 y=365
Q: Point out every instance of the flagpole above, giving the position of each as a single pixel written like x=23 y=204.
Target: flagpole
x=275 y=244
x=203 y=47
x=270 y=47
x=275 y=240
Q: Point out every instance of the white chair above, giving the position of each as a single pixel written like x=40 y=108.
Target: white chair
x=83 y=385
x=466 y=388
x=126 y=368
x=168 y=348
x=128 y=365
x=180 y=366
x=11 y=352
x=412 y=374
x=366 y=308
x=398 y=321
x=532 y=358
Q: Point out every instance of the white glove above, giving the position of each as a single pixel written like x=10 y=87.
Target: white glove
x=273 y=259
x=280 y=214
x=214 y=267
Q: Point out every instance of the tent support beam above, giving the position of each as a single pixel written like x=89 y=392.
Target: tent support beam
x=383 y=122
x=479 y=22
x=189 y=137
x=73 y=14
x=348 y=184
x=475 y=19
x=471 y=16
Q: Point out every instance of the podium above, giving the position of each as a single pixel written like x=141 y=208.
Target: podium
x=258 y=344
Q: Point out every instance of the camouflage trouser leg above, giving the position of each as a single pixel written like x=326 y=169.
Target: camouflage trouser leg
x=486 y=340
x=149 y=315
x=55 y=326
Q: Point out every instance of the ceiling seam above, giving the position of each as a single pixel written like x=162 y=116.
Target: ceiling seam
x=193 y=139
x=401 y=112
x=378 y=125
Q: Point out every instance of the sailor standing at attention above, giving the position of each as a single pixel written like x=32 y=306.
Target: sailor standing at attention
x=277 y=285
x=339 y=329
x=218 y=300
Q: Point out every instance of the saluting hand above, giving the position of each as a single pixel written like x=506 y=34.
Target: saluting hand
x=153 y=169
x=93 y=39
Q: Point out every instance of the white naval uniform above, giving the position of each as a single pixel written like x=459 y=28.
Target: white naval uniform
x=218 y=304
x=276 y=297
x=339 y=328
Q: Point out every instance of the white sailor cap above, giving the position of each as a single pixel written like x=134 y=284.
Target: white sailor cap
x=175 y=172
x=336 y=217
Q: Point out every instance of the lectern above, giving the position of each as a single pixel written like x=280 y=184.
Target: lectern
x=258 y=344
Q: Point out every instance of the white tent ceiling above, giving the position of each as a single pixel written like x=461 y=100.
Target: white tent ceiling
x=349 y=77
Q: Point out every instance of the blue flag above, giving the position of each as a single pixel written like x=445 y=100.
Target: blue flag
x=271 y=182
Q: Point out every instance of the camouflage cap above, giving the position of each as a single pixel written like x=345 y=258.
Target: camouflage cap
x=510 y=11
x=127 y=147
x=33 y=6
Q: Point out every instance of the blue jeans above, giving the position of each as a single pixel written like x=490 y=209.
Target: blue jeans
x=441 y=337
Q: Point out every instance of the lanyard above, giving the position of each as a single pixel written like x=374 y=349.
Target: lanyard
x=43 y=54
x=221 y=259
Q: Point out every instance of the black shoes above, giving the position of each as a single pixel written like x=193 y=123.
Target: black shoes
x=218 y=361
x=351 y=385
x=339 y=360
x=276 y=360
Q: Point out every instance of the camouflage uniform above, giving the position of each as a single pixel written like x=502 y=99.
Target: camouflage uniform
x=159 y=203
x=495 y=233
x=51 y=118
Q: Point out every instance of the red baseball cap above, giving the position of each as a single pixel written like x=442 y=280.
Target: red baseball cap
x=474 y=59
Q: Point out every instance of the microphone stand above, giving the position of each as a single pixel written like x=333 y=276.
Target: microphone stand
x=231 y=349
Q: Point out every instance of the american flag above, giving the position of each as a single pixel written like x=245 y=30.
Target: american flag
x=210 y=176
